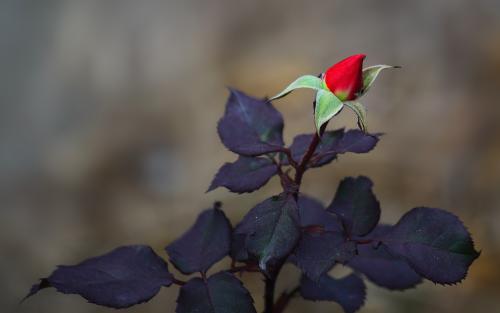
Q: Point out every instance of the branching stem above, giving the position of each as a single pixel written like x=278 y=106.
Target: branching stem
x=300 y=168
x=291 y=160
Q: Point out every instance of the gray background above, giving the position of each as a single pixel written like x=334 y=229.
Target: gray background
x=108 y=112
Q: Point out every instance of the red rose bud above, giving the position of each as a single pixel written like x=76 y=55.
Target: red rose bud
x=345 y=79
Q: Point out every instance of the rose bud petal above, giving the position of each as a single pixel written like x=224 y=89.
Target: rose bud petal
x=345 y=79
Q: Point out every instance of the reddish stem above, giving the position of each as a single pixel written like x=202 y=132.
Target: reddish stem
x=284 y=299
x=289 y=156
x=301 y=168
x=244 y=268
x=179 y=282
x=363 y=241
x=292 y=187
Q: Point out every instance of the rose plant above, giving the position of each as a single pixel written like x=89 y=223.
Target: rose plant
x=290 y=227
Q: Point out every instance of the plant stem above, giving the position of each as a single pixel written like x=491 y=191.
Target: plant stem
x=244 y=268
x=301 y=168
x=284 y=299
x=179 y=282
x=269 y=294
x=289 y=155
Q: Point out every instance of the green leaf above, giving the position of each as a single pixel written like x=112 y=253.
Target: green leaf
x=370 y=74
x=306 y=81
x=360 y=111
x=327 y=106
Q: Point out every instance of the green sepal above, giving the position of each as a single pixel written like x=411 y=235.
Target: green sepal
x=370 y=74
x=360 y=111
x=327 y=106
x=306 y=81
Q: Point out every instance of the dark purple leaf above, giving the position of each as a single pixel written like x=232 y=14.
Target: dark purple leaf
x=238 y=249
x=354 y=140
x=220 y=293
x=356 y=205
x=301 y=143
x=381 y=267
x=333 y=143
x=250 y=126
x=205 y=243
x=121 y=278
x=379 y=231
x=349 y=291
x=434 y=242
x=247 y=174
x=317 y=253
x=313 y=213
x=42 y=284
x=271 y=229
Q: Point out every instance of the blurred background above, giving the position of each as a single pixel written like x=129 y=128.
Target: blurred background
x=108 y=115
